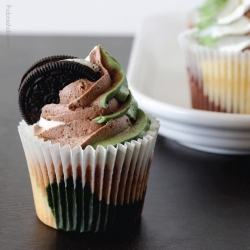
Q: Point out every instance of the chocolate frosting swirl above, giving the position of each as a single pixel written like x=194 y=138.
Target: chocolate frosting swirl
x=91 y=112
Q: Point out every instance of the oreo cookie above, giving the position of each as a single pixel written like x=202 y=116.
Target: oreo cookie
x=42 y=62
x=41 y=84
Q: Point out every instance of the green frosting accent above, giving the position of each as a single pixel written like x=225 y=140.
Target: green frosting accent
x=122 y=111
x=122 y=93
x=114 y=69
x=132 y=112
x=208 y=11
x=119 y=91
x=208 y=41
x=202 y=25
x=138 y=130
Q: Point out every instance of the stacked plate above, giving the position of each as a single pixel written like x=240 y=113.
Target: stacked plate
x=158 y=79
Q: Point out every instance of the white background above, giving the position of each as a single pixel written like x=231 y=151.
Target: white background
x=84 y=17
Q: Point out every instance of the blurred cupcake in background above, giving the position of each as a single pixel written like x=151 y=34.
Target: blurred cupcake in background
x=217 y=56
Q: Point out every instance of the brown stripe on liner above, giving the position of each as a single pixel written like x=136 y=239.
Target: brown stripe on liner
x=199 y=100
x=98 y=181
x=69 y=171
x=59 y=173
x=122 y=184
x=51 y=172
x=134 y=183
x=129 y=184
x=41 y=183
x=45 y=174
x=107 y=183
x=40 y=177
x=34 y=175
x=115 y=184
x=145 y=178
x=139 y=184
x=88 y=177
x=78 y=172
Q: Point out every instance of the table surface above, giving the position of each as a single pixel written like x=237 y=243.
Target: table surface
x=194 y=200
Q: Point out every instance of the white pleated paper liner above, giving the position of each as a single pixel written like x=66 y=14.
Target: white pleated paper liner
x=88 y=190
x=219 y=81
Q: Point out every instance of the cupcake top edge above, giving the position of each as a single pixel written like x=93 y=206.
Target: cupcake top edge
x=82 y=102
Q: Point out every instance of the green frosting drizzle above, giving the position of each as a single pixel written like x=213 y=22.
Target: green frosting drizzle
x=122 y=94
x=118 y=77
x=208 y=11
x=207 y=18
x=132 y=112
x=122 y=111
x=129 y=105
x=138 y=130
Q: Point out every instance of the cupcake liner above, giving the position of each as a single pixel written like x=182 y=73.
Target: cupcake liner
x=219 y=81
x=91 y=189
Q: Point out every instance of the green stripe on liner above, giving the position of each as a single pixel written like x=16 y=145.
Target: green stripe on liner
x=97 y=217
x=56 y=200
x=71 y=206
x=91 y=213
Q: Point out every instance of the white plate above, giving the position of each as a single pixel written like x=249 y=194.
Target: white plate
x=158 y=80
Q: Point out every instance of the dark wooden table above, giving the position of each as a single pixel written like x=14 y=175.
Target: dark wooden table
x=195 y=200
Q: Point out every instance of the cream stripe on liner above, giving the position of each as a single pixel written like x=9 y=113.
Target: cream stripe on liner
x=88 y=190
x=221 y=77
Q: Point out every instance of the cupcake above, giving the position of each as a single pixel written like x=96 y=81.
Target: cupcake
x=217 y=57
x=87 y=144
